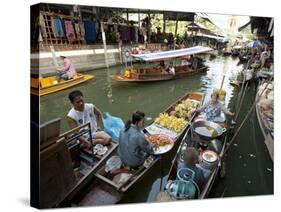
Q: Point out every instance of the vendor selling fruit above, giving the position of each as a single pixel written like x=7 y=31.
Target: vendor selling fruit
x=213 y=108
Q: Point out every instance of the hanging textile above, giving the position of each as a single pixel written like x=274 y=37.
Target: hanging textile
x=70 y=34
x=42 y=26
x=90 y=31
x=125 y=33
x=57 y=27
x=77 y=30
x=82 y=30
x=40 y=39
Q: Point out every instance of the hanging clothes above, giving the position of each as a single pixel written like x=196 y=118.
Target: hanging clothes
x=70 y=34
x=125 y=33
x=40 y=39
x=42 y=26
x=77 y=30
x=57 y=27
x=82 y=30
x=90 y=31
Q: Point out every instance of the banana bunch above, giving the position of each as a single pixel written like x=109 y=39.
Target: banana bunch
x=170 y=122
x=185 y=108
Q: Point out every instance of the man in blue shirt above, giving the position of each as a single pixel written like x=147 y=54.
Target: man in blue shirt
x=133 y=146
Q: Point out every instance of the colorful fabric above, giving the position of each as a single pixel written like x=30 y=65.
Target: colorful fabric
x=57 y=27
x=70 y=34
x=90 y=31
x=213 y=111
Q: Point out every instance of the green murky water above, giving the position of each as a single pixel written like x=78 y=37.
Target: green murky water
x=249 y=170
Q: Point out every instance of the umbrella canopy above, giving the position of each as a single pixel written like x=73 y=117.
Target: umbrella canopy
x=255 y=44
x=157 y=56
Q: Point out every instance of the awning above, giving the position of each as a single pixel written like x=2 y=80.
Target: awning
x=244 y=26
x=156 y=56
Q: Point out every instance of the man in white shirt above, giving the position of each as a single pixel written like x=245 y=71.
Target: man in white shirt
x=82 y=113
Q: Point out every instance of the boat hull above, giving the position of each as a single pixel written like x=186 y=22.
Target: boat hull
x=47 y=85
x=103 y=191
x=158 y=77
x=268 y=139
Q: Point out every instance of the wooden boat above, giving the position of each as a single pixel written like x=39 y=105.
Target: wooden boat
x=133 y=74
x=65 y=168
x=248 y=74
x=243 y=59
x=218 y=169
x=103 y=190
x=48 y=85
x=266 y=130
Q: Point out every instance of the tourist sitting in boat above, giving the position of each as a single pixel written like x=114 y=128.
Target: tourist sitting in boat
x=66 y=71
x=162 y=66
x=191 y=158
x=82 y=113
x=171 y=69
x=133 y=146
x=213 y=108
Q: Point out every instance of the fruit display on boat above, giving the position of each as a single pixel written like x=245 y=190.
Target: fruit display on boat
x=185 y=108
x=170 y=122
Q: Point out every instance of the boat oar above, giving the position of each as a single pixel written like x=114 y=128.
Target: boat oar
x=245 y=119
x=241 y=101
x=240 y=95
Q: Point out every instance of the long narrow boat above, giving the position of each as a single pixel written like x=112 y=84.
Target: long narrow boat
x=48 y=85
x=266 y=127
x=150 y=74
x=103 y=190
x=217 y=169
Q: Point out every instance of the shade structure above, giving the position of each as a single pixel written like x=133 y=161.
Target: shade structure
x=156 y=56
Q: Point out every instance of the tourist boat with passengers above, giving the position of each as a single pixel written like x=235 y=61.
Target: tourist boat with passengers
x=46 y=85
x=105 y=186
x=149 y=72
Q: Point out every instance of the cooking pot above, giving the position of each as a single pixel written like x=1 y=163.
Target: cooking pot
x=207 y=129
x=208 y=159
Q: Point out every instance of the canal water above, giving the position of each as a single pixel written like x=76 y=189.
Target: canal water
x=249 y=169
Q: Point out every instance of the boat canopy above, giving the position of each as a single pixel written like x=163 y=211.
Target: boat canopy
x=156 y=56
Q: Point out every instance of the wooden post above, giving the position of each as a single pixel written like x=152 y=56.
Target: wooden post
x=149 y=28
x=104 y=45
x=164 y=23
x=176 y=30
x=54 y=56
x=139 y=18
x=127 y=17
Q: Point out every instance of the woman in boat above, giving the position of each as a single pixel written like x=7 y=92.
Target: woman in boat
x=213 y=108
x=133 y=146
x=191 y=158
x=171 y=69
x=67 y=70
x=162 y=66
x=82 y=113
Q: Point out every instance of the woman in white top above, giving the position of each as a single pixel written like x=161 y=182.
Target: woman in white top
x=82 y=113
